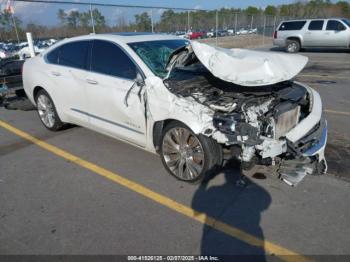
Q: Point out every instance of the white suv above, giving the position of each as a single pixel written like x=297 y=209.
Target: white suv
x=194 y=104
x=296 y=34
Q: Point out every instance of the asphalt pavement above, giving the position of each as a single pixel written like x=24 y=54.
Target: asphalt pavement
x=101 y=196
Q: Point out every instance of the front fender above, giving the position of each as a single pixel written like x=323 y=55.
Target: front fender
x=163 y=105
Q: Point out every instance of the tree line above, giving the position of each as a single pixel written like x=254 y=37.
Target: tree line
x=75 y=22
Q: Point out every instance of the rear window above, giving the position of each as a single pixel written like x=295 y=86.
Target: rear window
x=316 y=25
x=295 y=25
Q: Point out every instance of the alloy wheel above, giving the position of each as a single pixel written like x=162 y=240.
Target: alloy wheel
x=183 y=153
x=292 y=47
x=46 y=110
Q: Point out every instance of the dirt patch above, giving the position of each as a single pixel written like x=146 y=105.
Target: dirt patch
x=240 y=41
x=338 y=157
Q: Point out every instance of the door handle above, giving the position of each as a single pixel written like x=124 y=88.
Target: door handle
x=55 y=73
x=91 y=81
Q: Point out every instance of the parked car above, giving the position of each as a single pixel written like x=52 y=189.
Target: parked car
x=4 y=54
x=191 y=103
x=242 y=31
x=296 y=34
x=181 y=34
x=220 y=33
x=231 y=31
x=10 y=67
x=210 y=34
x=196 y=35
x=252 y=31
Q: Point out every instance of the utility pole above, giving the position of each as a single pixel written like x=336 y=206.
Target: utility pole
x=264 y=29
x=235 y=22
x=92 y=19
x=216 y=27
x=188 y=21
x=152 y=24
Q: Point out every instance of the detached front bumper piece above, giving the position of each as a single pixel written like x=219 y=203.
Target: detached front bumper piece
x=311 y=161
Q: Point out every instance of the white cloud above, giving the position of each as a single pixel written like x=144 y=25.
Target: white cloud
x=198 y=7
x=68 y=11
x=117 y=12
x=160 y=11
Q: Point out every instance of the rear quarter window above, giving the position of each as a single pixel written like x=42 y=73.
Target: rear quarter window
x=294 y=25
x=52 y=56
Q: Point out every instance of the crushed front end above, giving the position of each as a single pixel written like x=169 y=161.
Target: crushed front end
x=276 y=124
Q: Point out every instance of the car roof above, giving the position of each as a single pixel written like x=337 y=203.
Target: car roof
x=128 y=37
x=311 y=19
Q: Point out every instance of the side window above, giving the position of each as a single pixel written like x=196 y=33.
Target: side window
x=74 y=54
x=334 y=25
x=52 y=57
x=316 y=25
x=295 y=25
x=107 y=58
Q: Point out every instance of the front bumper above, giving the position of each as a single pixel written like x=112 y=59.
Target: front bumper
x=307 y=143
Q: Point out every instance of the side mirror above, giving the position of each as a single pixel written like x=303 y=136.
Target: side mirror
x=139 y=81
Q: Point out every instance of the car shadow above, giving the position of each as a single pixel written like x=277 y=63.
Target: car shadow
x=236 y=203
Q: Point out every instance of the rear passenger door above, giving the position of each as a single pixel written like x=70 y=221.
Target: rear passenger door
x=336 y=34
x=314 y=35
x=115 y=104
x=68 y=70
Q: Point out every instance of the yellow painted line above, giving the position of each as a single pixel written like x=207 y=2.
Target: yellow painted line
x=323 y=76
x=271 y=248
x=337 y=112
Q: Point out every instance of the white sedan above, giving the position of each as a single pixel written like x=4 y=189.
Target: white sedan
x=194 y=104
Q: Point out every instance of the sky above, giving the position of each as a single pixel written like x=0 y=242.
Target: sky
x=42 y=13
x=198 y=4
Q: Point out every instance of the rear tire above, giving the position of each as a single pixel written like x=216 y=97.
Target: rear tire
x=189 y=157
x=47 y=111
x=292 y=46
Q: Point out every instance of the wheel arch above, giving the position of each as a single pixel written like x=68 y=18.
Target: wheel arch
x=297 y=38
x=36 y=91
x=158 y=127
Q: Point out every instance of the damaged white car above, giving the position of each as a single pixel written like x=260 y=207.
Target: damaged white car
x=194 y=104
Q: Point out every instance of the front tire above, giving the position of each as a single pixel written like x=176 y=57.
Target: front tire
x=189 y=157
x=47 y=111
x=292 y=46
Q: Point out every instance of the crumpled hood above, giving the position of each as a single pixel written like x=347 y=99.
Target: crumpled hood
x=247 y=67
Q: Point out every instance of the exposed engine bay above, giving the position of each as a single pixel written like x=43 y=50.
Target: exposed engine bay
x=251 y=121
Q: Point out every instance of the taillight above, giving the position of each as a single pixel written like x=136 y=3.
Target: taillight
x=275 y=35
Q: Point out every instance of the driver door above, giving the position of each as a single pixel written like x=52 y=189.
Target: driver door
x=115 y=106
x=336 y=34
